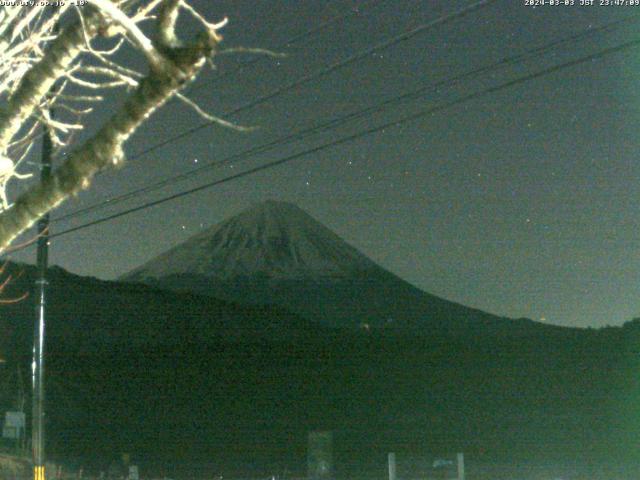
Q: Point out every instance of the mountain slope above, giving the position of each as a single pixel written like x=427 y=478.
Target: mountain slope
x=169 y=376
x=85 y=315
x=276 y=253
x=128 y=364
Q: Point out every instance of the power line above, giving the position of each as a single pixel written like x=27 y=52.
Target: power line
x=326 y=71
x=349 y=138
x=319 y=74
x=301 y=134
x=284 y=44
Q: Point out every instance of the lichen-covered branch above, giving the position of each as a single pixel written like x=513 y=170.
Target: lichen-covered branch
x=178 y=66
x=130 y=27
x=40 y=78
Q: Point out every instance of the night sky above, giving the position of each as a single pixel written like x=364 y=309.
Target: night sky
x=521 y=202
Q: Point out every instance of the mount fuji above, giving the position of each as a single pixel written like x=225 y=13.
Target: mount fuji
x=180 y=375
x=276 y=253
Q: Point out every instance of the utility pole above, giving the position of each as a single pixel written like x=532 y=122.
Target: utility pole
x=37 y=431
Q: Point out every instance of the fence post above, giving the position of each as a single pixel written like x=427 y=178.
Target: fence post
x=392 y=466
x=460 y=466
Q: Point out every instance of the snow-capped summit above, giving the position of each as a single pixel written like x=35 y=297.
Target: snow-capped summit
x=273 y=239
x=275 y=253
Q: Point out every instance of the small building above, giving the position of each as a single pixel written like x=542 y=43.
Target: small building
x=12 y=406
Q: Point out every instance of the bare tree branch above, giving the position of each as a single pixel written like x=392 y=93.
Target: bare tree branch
x=39 y=80
x=131 y=28
x=172 y=67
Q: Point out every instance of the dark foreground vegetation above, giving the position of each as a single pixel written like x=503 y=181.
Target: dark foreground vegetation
x=182 y=380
